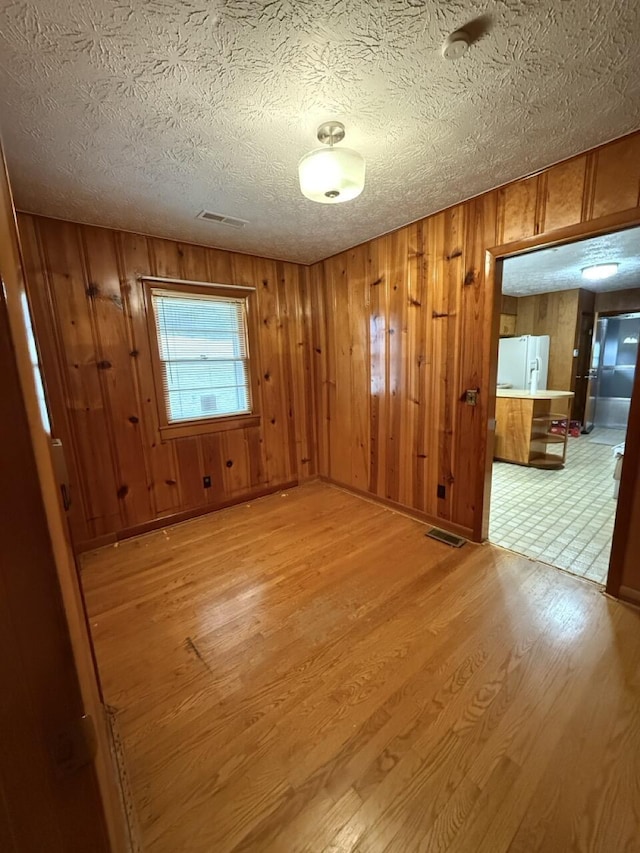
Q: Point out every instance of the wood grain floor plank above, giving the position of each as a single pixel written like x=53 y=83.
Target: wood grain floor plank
x=308 y=672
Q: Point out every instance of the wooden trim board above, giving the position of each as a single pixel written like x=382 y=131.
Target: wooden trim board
x=178 y=518
x=442 y=523
x=624 y=542
x=628 y=594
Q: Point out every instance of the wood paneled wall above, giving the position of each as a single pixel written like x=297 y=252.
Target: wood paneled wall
x=91 y=325
x=554 y=314
x=403 y=325
x=618 y=300
x=365 y=357
x=508 y=316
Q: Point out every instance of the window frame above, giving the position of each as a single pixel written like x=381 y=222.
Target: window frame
x=220 y=423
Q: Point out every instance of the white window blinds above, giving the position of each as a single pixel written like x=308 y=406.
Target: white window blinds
x=204 y=357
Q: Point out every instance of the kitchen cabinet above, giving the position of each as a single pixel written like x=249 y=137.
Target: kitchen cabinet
x=523 y=423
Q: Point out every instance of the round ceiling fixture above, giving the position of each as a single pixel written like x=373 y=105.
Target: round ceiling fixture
x=331 y=175
x=456 y=45
x=599 y=271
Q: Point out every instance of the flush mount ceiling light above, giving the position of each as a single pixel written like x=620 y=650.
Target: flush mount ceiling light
x=599 y=271
x=331 y=175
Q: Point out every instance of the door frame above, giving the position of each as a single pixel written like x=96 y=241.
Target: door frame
x=605 y=315
x=493 y=274
x=106 y=772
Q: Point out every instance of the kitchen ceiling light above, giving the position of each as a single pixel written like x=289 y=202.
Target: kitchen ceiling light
x=599 y=271
x=331 y=175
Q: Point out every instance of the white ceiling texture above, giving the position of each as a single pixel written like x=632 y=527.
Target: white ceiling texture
x=140 y=113
x=560 y=267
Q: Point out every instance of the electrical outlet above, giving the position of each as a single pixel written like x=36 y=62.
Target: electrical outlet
x=442 y=492
x=206 y=482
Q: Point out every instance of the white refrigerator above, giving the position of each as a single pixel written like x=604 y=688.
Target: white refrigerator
x=524 y=362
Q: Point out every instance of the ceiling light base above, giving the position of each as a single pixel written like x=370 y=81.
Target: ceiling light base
x=456 y=45
x=331 y=132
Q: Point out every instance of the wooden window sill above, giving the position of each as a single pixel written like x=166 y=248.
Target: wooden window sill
x=192 y=428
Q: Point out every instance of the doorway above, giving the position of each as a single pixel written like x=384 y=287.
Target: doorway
x=568 y=350
x=612 y=369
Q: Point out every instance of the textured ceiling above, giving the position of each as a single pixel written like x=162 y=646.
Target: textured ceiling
x=139 y=114
x=560 y=268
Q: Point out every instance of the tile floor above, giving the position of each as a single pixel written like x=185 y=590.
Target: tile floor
x=560 y=517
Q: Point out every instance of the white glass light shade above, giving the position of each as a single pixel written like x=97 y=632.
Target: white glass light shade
x=599 y=271
x=331 y=175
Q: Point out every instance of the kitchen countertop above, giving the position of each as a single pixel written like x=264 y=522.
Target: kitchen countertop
x=520 y=394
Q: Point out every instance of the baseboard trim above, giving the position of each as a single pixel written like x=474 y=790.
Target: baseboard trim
x=630 y=595
x=177 y=518
x=418 y=515
x=127 y=802
x=91 y=544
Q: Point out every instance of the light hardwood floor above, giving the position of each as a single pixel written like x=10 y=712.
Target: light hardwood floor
x=309 y=672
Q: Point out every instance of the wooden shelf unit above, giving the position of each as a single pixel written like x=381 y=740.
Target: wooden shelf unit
x=522 y=430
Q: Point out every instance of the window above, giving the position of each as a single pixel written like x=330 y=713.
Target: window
x=201 y=356
x=35 y=364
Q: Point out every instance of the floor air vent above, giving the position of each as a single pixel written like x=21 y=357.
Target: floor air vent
x=447 y=538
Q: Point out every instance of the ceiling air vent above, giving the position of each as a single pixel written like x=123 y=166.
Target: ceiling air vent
x=221 y=219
